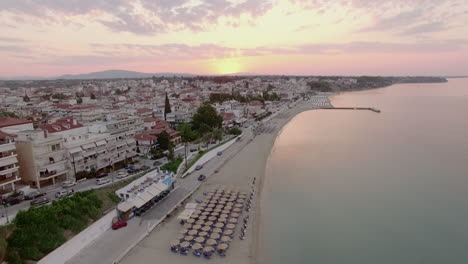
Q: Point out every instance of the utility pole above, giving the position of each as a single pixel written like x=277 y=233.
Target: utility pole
x=186 y=165
x=74 y=168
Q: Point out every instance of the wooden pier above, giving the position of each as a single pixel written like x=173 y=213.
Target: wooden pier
x=354 y=108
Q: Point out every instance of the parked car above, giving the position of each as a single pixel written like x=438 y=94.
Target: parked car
x=101 y=175
x=102 y=181
x=68 y=184
x=199 y=167
x=62 y=193
x=14 y=200
x=157 y=163
x=119 y=224
x=40 y=201
x=122 y=174
x=201 y=177
x=193 y=150
x=219 y=153
x=33 y=195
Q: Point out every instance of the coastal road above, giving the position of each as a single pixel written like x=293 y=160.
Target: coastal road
x=113 y=243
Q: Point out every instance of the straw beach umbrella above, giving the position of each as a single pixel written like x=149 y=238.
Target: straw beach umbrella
x=230 y=226
x=212 y=218
x=211 y=205
x=203 y=217
x=188 y=238
x=211 y=242
x=190 y=221
x=200 y=222
x=188 y=226
x=215 y=236
x=225 y=211
x=236 y=215
x=222 y=220
x=184 y=244
x=200 y=239
x=206 y=228
x=222 y=247
x=225 y=239
x=215 y=214
x=219 y=225
x=208 y=210
x=183 y=231
x=208 y=223
x=203 y=234
x=196 y=246
x=192 y=232
x=217 y=230
x=228 y=232
x=196 y=227
x=223 y=216
x=237 y=210
x=175 y=243
x=238 y=205
x=205 y=213
x=228 y=207
x=233 y=220
x=208 y=249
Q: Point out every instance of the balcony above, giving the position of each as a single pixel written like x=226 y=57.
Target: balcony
x=8 y=169
x=8 y=180
x=7 y=147
x=51 y=174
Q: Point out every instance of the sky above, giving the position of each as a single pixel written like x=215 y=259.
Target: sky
x=291 y=37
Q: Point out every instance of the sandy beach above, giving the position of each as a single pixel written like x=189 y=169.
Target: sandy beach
x=238 y=172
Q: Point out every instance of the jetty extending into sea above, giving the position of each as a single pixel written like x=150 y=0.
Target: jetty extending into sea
x=354 y=108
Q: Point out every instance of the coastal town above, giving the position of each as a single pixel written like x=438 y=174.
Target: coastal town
x=151 y=145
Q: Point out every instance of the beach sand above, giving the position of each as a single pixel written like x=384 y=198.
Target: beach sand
x=238 y=172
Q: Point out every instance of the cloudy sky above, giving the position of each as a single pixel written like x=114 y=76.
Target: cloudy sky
x=352 y=37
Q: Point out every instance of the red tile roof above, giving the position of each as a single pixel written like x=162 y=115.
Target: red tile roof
x=62 y=124
x=145 y=137
x=11 y=121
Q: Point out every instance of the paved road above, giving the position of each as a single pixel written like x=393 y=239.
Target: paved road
x=113 y=243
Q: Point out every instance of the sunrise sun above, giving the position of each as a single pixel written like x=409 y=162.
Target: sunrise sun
x=228 y=66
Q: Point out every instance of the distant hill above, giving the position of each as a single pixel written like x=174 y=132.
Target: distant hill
x=118 y=74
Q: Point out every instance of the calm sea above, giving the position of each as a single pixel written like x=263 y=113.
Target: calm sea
x=358 y=187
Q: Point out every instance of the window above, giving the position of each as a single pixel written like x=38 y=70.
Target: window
x=55 y=147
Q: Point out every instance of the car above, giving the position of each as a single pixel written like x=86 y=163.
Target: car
x=102 y=181
x=40 y=201
x=119 y=224
x=219 y=153
x=62 y=193
x=157 y=163
x=201 y=177
x=144 y=167
x=33 y=195
x=101 y=175
x=122 y=174
x=68 y=184
x=14 y=200
x=199 y=167
x=193 y=150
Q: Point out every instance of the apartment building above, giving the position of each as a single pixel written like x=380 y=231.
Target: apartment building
x=97 y=146
x=9 y=166
x=42 y=158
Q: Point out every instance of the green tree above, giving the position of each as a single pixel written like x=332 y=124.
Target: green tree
x=79 y=100
x=164 y=140
x=186 y=132
x=218 y=134
x=167 y=107
x=206 y=119
x=93 y=97
x=235 y=131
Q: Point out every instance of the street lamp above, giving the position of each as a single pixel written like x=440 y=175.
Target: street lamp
x=6 y=211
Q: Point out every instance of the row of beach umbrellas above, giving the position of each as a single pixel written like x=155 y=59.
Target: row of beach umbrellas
x=213 y=222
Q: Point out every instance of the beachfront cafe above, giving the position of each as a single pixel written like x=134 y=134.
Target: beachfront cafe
x=144 y=192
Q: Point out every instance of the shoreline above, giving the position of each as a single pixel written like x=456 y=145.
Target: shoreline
x=257 y=213
x=244 y=163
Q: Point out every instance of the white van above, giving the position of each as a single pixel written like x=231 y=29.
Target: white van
x=102 y=181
